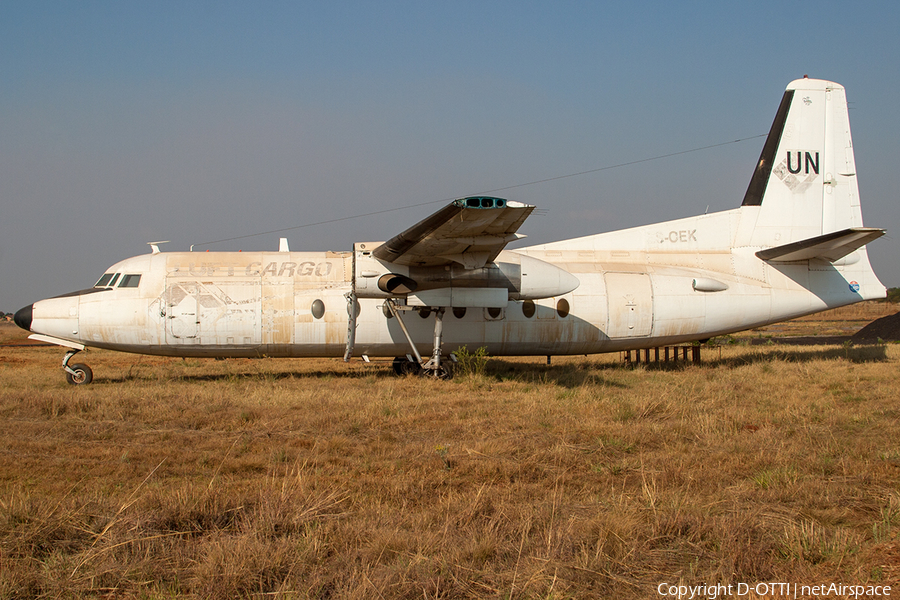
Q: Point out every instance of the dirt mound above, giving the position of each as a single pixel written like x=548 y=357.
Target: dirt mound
x=887 y=328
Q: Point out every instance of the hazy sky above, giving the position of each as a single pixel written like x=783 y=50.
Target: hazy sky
x=127 y=122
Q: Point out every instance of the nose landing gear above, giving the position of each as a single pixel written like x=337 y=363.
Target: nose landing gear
x=77 y=374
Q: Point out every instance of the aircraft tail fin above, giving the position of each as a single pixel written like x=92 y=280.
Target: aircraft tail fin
x=804 y=184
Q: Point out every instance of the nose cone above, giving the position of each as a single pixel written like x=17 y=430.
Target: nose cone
x=23 y=317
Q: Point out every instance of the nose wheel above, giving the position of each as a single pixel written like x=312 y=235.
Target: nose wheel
x=80 y=374
x=77 y=374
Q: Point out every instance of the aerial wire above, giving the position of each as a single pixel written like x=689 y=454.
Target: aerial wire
x=491 y=191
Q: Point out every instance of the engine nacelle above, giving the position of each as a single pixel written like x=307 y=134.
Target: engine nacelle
x=521 y=277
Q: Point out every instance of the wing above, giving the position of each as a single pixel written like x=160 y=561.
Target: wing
x=830 y=246
x=469 y=231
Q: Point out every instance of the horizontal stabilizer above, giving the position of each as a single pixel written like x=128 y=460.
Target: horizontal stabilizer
x=830 y=246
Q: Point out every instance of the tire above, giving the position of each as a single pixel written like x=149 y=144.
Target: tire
x=411 y=368
x=403 y=367
x=83 y=375
x=445 y=371
x=397 y=365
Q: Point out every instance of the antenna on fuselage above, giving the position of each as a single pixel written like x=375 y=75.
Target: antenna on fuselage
x=154 y=246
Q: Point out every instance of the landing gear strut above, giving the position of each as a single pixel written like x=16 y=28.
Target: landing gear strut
x=77 y=374
x=436 y=366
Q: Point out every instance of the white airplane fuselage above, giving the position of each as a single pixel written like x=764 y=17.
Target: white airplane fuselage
x=643 y=287
x=794 y=247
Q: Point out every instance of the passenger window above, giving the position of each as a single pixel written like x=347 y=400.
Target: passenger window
x=318 y=309
x=528 y=308
x=130 y=281
x=493 y=313
x=104 y=281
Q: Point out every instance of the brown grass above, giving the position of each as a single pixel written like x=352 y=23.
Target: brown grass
x=316 y=479
x=846 y=320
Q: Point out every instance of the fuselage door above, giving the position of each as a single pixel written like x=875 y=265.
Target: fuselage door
x=630 y=298
x=182 y=312
x=216 y=311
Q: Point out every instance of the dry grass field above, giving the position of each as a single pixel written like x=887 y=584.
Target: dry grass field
x=846 y=320
x=315 y=479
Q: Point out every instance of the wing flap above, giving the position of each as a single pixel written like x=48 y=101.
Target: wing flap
x=469 y=231
x=830 y=246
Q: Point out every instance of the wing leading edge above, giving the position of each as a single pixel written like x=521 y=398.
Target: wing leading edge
x=469 y=231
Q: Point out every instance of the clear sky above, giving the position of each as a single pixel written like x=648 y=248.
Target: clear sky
x=128 y=122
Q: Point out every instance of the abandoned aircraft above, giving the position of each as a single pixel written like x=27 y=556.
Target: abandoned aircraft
x=795 y=246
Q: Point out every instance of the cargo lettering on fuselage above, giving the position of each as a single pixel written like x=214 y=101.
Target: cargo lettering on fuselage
x=272 y=269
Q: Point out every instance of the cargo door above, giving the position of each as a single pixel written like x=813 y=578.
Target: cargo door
x=222 y=312
x=229 y=312
x=630 y=298
x=181 y=312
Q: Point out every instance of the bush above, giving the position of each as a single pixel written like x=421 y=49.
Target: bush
x=471 y=363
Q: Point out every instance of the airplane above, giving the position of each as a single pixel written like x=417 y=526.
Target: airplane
x=795 y=246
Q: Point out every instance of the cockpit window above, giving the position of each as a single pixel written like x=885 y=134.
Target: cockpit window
x=114 y=280
x=130 y=281
x=104 y=281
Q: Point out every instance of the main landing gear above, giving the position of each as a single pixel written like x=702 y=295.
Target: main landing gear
x=77 y=374
x=407 y=365
x=436 y=366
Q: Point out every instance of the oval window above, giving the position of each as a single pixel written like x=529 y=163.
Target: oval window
x=459 y=311
x=528 y=308
x=424 y=312
x=562 y=308
x=387 y=311
x=318 y=309
x=495 y=312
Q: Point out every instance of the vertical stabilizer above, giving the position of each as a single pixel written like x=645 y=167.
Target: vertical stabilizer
x=805 y=183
